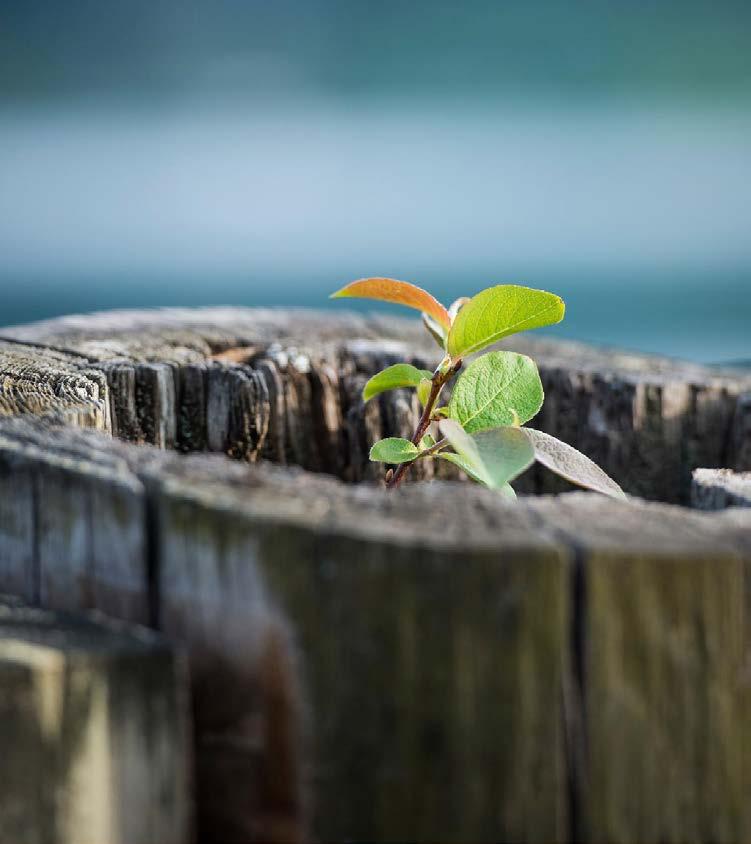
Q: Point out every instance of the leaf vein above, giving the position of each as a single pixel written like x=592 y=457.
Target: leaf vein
x=509 y=329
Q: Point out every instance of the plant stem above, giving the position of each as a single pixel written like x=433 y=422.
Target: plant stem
x=438 y=380
x=433 y=449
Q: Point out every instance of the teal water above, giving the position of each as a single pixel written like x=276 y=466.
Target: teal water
x=705 y=318
x=638 y=216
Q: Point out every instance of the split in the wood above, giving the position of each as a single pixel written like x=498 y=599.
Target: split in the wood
x=647 y=421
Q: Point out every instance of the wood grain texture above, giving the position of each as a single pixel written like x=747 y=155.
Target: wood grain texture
x=93 y=732
x=427 y=665
x=667 y=699
x=413 y=689
x=248 y=705
x=77 y=530
x=661 y=661
x=285 y=385
x=45 y=382
x=740 y=442
x=96 y=530
x=715 y=489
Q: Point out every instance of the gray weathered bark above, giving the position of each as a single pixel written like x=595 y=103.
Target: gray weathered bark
x=716 y=489
x=93 y=732
x=285 y=385
x=473 y=669
x=416 y=665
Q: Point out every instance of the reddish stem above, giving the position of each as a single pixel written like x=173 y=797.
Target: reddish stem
x=439 y=379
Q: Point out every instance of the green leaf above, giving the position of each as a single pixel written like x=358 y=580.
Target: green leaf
x=493 y=457
x=500 y=388
x=393 y=450
x=398 y=375
x=571 y=464
x=463 y=464
x=427 y=441
x=506 y=491
x=457 y=305
x=498 y=312
x=435 y=329
x=424 y=389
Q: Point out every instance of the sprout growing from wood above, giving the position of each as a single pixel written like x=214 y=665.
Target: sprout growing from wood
x=481 y=429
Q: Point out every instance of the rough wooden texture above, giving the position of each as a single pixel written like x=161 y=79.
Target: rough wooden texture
x=248 y=703
x=715 y=489
x=74 y=536
x=662 y=660
x=421 y=658
x=93 y=732
x=87 y=535
x=238 y=552
x=565 y=668
x=740 y=445
x=44 y=382
x=285 y=385
x=418 y=666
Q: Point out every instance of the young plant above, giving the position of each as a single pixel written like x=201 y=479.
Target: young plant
x=481 y=427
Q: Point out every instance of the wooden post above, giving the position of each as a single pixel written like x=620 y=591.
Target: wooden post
x=421 y=659
x=93 y=732
x=661 y=656
x=285 y=385
x=77 y=531
x=715 y=489
x=431 y=664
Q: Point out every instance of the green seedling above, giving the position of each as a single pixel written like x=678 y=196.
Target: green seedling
x=481 y=429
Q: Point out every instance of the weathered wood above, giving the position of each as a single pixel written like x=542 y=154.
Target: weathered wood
x=285 y=385
x=219 y=540
x=248 y=705
x=44 y=382
x=74 y=536
x=740 y=443
x=715 y=489
x=661 y=660
x=421 y=657
x=422 y=665
x=98 y=544
x=93 y=732
x=556 y=669
x=143 y=402
x=19 y=573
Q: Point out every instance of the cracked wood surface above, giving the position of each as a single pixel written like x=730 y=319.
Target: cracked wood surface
x=93 y=731
x=419 y=664
x=716 y=489
x=285 y=385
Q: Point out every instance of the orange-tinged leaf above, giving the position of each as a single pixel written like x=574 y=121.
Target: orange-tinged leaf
x=400 y=292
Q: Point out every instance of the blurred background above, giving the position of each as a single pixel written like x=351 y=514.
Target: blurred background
x=227 y=152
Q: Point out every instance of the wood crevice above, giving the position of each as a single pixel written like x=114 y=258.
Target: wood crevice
x=239 y=549
x=284 y=386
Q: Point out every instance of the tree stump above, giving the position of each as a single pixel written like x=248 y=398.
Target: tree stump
x=285 y=385
x=407 y=666
x=93 y=732
x=716 y=489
